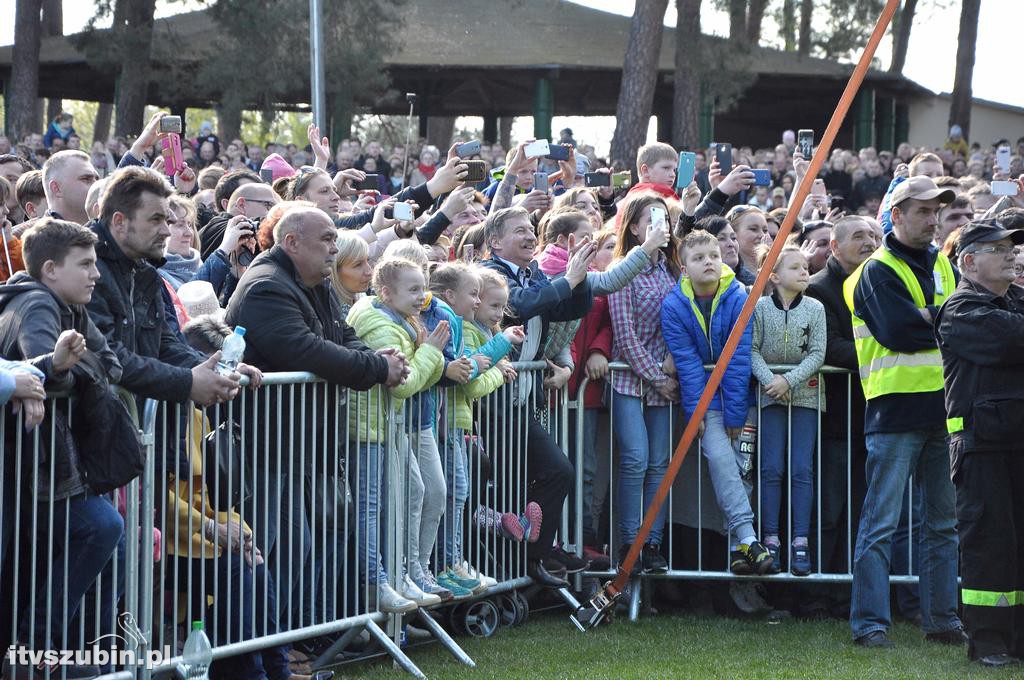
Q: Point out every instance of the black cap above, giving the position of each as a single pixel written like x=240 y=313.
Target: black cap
x=987 y=231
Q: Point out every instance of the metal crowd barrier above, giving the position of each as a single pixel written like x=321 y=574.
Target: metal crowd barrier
x=695 y=543
x=285 y=468
x=288 y=466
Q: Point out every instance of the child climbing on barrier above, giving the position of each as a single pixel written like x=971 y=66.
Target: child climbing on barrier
x=459 y=287
x=696 y=319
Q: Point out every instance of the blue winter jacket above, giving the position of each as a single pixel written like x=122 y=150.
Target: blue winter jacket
x=692 y=346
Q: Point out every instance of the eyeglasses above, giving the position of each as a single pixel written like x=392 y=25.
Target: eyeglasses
x=998 y=250
x=266 y=204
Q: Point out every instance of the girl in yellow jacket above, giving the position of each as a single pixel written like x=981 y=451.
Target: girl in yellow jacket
x=390 y=320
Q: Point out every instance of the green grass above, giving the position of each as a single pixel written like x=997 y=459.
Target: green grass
x=686 y=646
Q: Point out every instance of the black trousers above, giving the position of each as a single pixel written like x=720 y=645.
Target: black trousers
x=549 y=473
x=990 y=511
x=836 y=513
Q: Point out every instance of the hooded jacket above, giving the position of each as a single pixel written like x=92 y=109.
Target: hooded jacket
x=487 y=382
x=32 y=317
x=379 y=330
x=128 y=308
x=694 y=344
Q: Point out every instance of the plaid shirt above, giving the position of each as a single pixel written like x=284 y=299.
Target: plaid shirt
x=636 y=325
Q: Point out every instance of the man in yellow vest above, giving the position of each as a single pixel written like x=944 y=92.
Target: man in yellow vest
x=894 y=297
x=980 y=330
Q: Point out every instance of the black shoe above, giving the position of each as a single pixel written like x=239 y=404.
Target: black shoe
x=572 y=563
x=998 y=660
x=623 y=551
x=542 y=577
x=956 y=636
x=876 y=639
x=758 y=557
x=652 y=559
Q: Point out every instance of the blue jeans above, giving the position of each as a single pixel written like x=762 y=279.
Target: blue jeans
x=776 y=429
x=94 y=531
x=724 y=470
x=368 y=506
x=589 y=472
x=643 y=434
x=892 y=457
x=456 y=465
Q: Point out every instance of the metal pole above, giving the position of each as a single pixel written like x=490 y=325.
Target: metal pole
x=318 y=100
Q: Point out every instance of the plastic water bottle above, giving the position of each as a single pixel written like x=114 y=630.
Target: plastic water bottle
x=232 y=351
x=197 y=656
x=748 y=448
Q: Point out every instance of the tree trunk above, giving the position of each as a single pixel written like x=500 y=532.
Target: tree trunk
x=686 y=95
x=24 y=84
x=737 y=20
x=960 y=107
x=901 y=36
x=806 y=8
x=639 y=76
x=101 y=127
x=229 y=121
x=439 y=132
x=136 y=40
x=788 y=28
x=755 y=17
x=53 y=24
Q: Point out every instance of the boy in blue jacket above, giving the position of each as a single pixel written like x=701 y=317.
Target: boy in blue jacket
x=696 y=319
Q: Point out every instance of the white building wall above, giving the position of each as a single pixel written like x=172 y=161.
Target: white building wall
x=929 y=117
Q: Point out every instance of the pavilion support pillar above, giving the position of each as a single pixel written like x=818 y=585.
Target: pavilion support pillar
x=543 y=108
x=902 y=124
x=885 y=123
x=424 y=123
x=505 y=132
x=663 y=115
x=864 y=118
x=490 y=128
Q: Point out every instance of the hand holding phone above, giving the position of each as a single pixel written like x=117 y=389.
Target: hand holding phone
x=723 y=154
x=403 y=212
x=540 y=181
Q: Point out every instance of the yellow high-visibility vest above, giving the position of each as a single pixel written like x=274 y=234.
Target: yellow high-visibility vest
x=882 y=370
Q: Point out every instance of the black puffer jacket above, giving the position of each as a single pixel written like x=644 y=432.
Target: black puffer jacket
x=981 y=337
x=128 y=308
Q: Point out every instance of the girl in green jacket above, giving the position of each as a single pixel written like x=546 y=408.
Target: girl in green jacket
x=390 y=322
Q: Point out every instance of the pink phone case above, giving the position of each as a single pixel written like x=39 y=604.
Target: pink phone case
x=173 y=162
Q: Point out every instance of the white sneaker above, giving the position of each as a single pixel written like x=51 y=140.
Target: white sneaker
x=466 y=570
x=411 y=591
x=390 y=602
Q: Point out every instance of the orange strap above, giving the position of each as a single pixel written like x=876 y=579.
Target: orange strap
x=690 y=433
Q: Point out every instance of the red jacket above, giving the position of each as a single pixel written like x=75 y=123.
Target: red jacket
x=594 y=335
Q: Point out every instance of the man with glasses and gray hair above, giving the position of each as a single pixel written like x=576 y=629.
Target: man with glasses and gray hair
x=980 y=331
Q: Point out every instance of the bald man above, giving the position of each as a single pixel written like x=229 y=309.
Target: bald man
x=293 y=322
x=253 y=200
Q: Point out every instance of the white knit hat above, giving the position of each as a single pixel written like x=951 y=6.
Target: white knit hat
x=199 y=298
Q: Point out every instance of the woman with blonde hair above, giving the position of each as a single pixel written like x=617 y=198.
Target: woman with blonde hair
x=352 y=272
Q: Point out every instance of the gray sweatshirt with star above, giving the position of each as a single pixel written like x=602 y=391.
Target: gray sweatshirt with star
x=794 y=337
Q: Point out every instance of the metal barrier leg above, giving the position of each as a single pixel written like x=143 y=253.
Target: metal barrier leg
x=445 y=639
x=634 y=599
x=394 y=650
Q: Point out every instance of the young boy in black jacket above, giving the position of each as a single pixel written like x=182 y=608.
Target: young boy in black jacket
x=43 y=320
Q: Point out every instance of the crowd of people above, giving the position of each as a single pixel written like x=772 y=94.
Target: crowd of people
x=119 y=273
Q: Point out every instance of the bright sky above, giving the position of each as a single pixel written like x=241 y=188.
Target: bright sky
x=930 y=59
